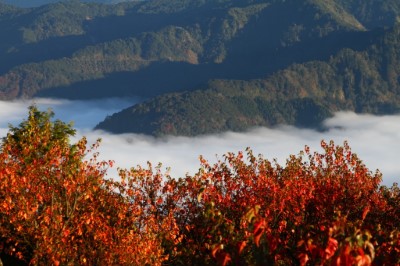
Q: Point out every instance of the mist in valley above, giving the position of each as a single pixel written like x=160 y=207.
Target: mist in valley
x=375 y=139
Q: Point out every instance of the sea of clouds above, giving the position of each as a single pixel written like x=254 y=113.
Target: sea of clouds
x=376 y=139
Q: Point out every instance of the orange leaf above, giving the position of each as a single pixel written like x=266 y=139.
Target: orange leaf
x=257 y=238
x=226 y=259
x=259 y=226
x=223 y=258
x=258 y=231
x=241 y=246
x=303 y=258
x=215 y=250
x=365 y=212
x=331 y=248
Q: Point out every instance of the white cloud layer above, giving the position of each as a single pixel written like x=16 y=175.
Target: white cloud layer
x=376 y=139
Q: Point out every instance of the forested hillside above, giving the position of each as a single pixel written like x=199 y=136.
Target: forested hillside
x=365 y=81
x=255 y=62
x=35 y=3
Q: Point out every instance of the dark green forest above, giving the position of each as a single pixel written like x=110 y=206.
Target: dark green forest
x=36 y=3
x=207 y=66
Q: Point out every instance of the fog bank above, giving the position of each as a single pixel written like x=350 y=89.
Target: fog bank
x=376 y=139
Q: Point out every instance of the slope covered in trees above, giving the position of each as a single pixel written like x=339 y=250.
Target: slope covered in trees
x=243 y=58
x=302 y=94
x=69 y=46
x=57 y=208
x=35 y=3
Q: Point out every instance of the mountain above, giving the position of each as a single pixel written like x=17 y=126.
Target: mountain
x=303 y=95
x=36 y=3
x=58 y=49
x=205 y=65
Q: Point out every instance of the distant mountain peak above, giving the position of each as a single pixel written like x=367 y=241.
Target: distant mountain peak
x=36 y=3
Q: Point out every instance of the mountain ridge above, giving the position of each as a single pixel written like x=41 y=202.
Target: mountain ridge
x=37 y=3
x=160 y=45
x=302 y=95
x=159 y=49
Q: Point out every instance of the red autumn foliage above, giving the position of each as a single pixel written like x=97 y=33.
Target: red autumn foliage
x=57 y=208
x=317 y=209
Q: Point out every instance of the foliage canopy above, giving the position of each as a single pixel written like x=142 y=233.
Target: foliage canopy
x=57 y=207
